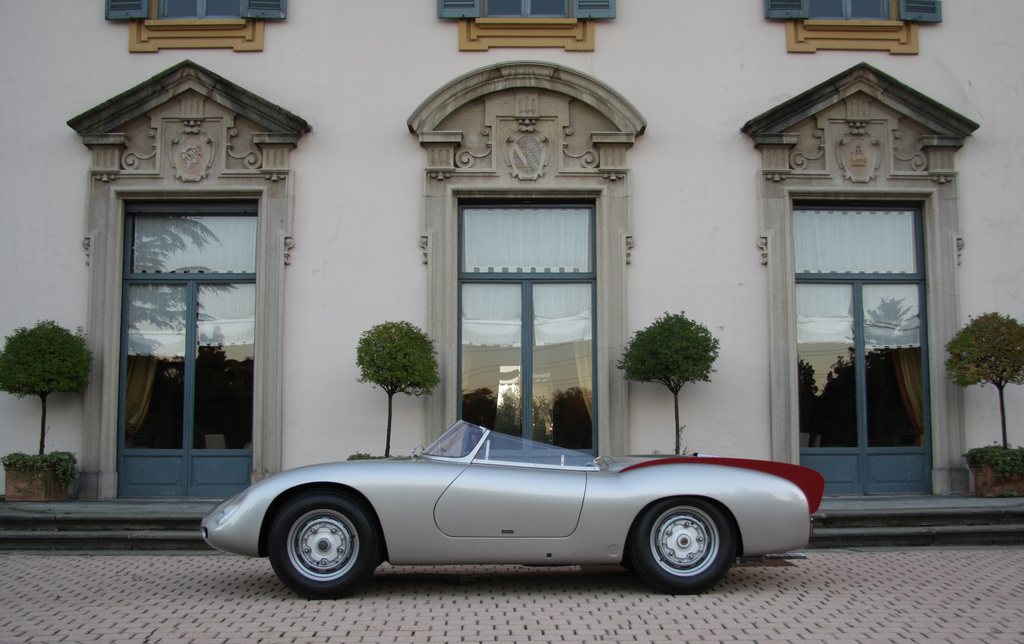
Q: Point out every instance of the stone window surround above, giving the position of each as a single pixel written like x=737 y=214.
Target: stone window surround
x=454 y=174
x=928 y=182
x=117 y=176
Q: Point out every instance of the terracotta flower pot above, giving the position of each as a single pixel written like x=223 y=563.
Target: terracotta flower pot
x=33 y=486
x=985 y=483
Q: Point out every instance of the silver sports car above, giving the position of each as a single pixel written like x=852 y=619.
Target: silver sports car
x=476 y=496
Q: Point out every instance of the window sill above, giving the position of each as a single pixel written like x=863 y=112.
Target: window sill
x=240 y=34
x=480 y=34
x=894 y=36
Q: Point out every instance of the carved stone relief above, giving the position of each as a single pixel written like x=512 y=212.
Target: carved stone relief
x=191 y=152
x=529 y=135
x=857 y=140
x=858 y=151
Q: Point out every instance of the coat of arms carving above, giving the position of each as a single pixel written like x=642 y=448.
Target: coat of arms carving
x=859 y=154
x=191 y=155
x=527 y=155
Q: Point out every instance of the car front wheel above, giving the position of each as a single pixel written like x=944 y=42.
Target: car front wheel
x=323 y=545
x=683 y=546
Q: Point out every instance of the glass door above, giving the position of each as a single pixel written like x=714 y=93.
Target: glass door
x=861 y=364
x=188 y=351
x=526 y=298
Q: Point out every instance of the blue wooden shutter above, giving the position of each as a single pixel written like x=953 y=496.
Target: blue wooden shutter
x=266 y=9
x=921 y=10
x=458 y=8
x=588 y=9
x=127 y=9
x=786 y=9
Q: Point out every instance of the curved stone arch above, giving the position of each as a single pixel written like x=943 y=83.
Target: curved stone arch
x=526 y=74
x=470 y=127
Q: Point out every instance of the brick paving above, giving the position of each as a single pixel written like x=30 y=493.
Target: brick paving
x=835 y=596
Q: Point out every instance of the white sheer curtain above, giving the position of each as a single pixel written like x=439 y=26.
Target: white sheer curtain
x=562 y=313
x=211 y=244
x=227 y=315
x=824 y=313
x=829 y=241
x=535 y=240
x=492 y=315
x=891 y=317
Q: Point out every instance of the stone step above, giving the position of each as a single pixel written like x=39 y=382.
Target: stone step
x=93 y=527
x=935 y=526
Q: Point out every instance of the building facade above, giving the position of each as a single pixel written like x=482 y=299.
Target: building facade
x=224 y=194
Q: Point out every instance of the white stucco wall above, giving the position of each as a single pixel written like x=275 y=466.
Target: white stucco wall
x=356 y=70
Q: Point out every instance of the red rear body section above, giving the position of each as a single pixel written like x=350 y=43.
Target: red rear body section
x=810 y=481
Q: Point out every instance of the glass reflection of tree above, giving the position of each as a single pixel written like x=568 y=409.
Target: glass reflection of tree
x=163 y=307
x=155 y=393
x=571 y=422
x=480 y=407
x=887 y=321
x=152 y=251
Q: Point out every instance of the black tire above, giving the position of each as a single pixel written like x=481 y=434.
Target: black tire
x=683 y=545
x=323 y=545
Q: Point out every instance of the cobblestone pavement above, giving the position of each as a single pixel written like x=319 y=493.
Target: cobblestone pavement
x=834 y=596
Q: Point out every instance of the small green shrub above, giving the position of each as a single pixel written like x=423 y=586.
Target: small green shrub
x=1007 y=462
x=63 y=463
x=399 y=358
x=362 y=456
x=672 y=351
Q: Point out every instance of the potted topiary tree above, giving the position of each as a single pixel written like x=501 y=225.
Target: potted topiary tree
x=398 y=357
x=672 y=351
x=38 y=362
x=990 y=349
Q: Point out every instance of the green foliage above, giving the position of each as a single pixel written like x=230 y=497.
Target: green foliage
x=990 y=349
x=42 y=360
x=398 y=357
x=362 y=456
x=1007 y=462
x=672 y=351
x=63 y=463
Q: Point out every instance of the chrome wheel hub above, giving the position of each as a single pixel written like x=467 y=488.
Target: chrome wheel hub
x=322 y=545
x=684 y=541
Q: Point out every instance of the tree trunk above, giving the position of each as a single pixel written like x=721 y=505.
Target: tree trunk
x=1002 y=415
x=675 y=398
x=387 y=445
x=42 y=427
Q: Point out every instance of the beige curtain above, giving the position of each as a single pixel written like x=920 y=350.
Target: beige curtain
x=139 y=390
x=911 y=380
x=585 y=371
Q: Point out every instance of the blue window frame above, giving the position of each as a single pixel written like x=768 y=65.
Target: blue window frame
x=526 y=8
x=581 y=9
x=849 y=9
x=527 y=293
x=862 y=347
x=909 y=10
x=196 y=9
x=188 y=348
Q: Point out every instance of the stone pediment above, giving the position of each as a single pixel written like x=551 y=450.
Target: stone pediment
x=859 y=126
x=187 y=123
x=530 y=121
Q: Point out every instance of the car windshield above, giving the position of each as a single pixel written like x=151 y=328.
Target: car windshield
x=503 y=448
x=459 y=441
x=462 y=439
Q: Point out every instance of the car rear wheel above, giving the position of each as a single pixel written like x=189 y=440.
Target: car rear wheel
x=683 y=546
x=323 y=545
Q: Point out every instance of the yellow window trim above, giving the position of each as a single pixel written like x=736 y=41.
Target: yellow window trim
x=240 y=34
x=894 y=36
x=480 y=34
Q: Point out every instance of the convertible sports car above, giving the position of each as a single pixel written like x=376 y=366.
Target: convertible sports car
x=475 y=496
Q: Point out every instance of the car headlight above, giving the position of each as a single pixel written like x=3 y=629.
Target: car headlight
x=224 y=511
